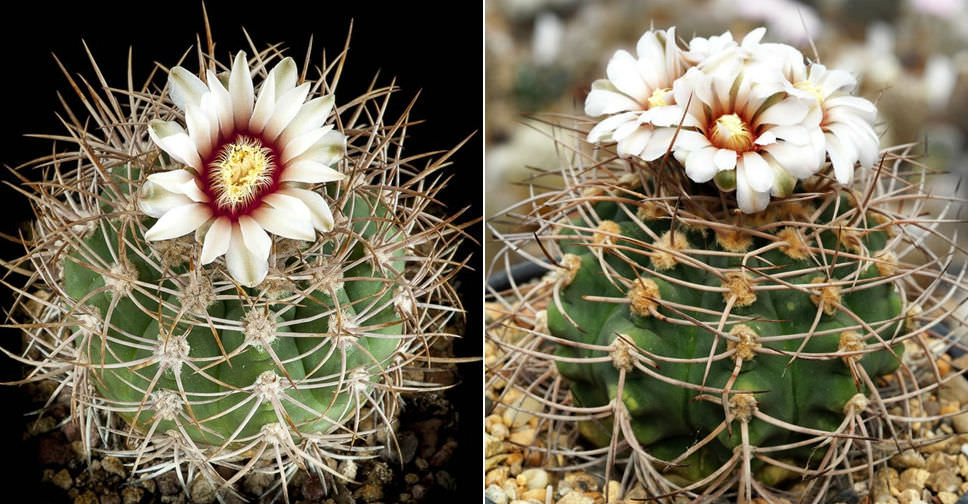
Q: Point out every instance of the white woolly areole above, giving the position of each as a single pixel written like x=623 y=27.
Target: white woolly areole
x=403 y=301
x=171 y=353
x=166 y=403
x=268 y=386
x=121 y=279
x=259 y=328
x=89 y=324
x=275 y=433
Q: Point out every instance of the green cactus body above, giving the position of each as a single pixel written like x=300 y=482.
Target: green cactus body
x=668 y=418
x=220 y=392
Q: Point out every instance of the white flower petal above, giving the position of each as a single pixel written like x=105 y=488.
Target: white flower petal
x=171 y=180
x=624 y=74
x=699 y=165
x=758 y=172
x=184 y=87
x=172 y=139
x=842 y=157
x=302 y=143
x=287 y=106
x=605 y=99
x=254 y=237
x=311 y=116
x=327 y=151
x=659 y=144
x=749 y=201
x=244 y=266
x=199 y=129
x=767 y=138
x=284 y=74
x=264 y=105
x=179 y=221
x=322 y=217
x=606 y=126
x=223 y=104
x=788 y=111
x=724 y=159
x=240 y=87
x=284 y=223
x=691 y=140
x=155 y=201
x=310 y=172
x=633 y=143
x=217 y=240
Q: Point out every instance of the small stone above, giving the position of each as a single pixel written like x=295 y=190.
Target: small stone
x=500 y=431
x=369 y=492
x=202 y=490
x=88 y=497
x=42 y=426
x=947 y=497
x=379 y=474
x=495 y=494
x=910 y=496
x=168 y=483
x=533 y=478
x=939 y=461
x=962 y=465
x=944 y=481
x=63 y=479
x=131 y=495
x=960 y=422
x=520 y=411
x=537 y=494
x=575 y=497
x=514 y=461
x=947 y=408
x=256 y=483
x=613 y=491
x=348 y=468
x=913 y=478
x=109 y=498
x=582 y=481
x=493 y=446
x=312 y=489
x=411 y=478
x=114 y=466
x=885 y=486
x=907 y=458
x=954 y=389
x=419 y=492
x=524 y=437
x=496 y=476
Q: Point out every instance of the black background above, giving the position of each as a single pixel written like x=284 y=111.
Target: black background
x=427 y=48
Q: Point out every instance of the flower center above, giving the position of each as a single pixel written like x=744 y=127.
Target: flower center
x=240 y=172
x=659 y=97
x=731 y=132
x=811 y=88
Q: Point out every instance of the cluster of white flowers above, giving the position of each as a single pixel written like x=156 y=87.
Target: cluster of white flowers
x=754 y=117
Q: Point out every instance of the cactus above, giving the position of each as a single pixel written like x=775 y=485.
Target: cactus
x=701 y=336
x=179 y=360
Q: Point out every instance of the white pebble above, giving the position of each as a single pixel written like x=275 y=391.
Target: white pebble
x=534 y=478
x=496 y=495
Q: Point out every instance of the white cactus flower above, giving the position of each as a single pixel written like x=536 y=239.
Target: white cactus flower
x=250 y=164
x=847 y=121
x=758 y=144
x=636 y=95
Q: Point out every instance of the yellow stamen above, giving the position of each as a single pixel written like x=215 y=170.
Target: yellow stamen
x=240 y=171
x=811 y=88
x=658 y=97
x=731 y=132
